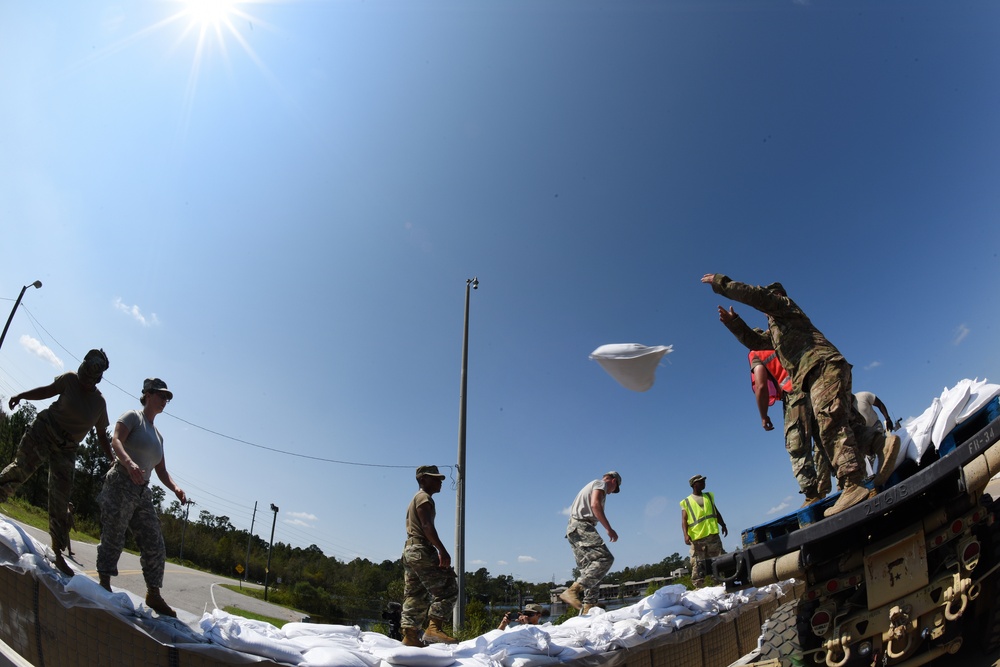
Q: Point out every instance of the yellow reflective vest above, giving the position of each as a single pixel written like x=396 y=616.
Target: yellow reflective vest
x=702 y=519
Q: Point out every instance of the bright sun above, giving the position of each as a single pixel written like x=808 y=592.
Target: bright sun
x=209 y=13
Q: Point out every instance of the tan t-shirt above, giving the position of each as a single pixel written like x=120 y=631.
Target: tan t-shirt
x=413 y=526
x=77 y=410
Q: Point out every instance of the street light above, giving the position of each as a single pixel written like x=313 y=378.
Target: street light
x=267 y=570
x=459 y=618
x=37 y=285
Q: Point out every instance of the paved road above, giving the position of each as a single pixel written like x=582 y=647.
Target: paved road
x=184 y=589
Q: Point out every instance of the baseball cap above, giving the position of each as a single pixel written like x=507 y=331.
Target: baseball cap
x=618 y=478
x=533 y=608
x=156 y=384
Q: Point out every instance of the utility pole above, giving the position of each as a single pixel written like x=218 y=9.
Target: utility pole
x=459 y=615
x=274 y=508
x=187 y=511
x=246 y=571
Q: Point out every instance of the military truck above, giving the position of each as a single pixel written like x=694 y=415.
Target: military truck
x=903 y=577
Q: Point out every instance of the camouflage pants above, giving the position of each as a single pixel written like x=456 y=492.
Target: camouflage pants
x=829 y=389
x=809 y=463
x=44 y=442
x=593 y=558
x=127 y=506
x=701 y=551
x=427 y=589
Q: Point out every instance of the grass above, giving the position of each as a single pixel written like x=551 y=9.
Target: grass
x=236 y=611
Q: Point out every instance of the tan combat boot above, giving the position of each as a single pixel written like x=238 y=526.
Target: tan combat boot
x=571 y=596
x=852 y=494
x=105 y=580
x=155 y=602
x=887 y=454
x=435 y=634
x=63 y=566
x=411 y=638
x=812 y=496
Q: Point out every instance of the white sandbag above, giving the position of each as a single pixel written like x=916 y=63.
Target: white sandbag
x=332 y=656
x=952 y=402
x=414 y=656
x=980 y=393
x=631 y=364
x=919 y=431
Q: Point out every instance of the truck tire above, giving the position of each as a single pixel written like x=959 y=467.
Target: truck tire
x=787 y=634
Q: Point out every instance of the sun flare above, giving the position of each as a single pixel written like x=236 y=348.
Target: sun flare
x=209 y=13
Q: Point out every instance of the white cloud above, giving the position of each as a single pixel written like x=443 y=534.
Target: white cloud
x=502 y=562
x=477 y=562
x=874 y=364
x=960 y=333
x=527 y=559
x=565 y=511
x=297 y=522
x=136 y=314
x=782 y=506
x=40 y=351
x=306 y=516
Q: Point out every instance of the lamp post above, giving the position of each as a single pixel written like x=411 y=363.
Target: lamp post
x=37 y=285
x=267 y=570
x=459 y=618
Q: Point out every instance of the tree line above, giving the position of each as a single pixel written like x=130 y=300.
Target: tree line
x=327 y=589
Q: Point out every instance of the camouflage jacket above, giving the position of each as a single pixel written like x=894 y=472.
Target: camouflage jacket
x=799 y=344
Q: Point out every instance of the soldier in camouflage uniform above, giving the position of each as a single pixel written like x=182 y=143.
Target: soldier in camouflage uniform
x=126 y=501
x=817 y=369
x=701 y=522
x=54 y=436
x=430 y=585
x=593 y=558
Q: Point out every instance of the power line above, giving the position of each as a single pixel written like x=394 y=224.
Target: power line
x=223 y=435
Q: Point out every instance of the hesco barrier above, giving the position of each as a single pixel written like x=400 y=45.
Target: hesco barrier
x=42 y=630
x=46 y=629
x=716 y=642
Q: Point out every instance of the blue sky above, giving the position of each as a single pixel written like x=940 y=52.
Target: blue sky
x=278 y=217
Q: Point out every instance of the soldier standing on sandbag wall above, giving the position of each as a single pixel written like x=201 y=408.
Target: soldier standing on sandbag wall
x=593 y=558
x=700 y=522
x=430 y=585
x=818 y=369
x=54 y=436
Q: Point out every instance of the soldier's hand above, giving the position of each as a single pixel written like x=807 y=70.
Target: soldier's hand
x=727 y=316
x=612 y=535
x=12 y=403
x=766 y=423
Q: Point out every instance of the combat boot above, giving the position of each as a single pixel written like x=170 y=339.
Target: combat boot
x=63 y=566
x=411 y=638
x=887 y=454
x=571 y=596
x=105 y=580
x=812 y=496
x=155 y=602
x=852 y=494
x=435 y=634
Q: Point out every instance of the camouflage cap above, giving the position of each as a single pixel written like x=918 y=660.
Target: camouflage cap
x=93 y=366
x=156 y=385
x=430 y=471
x=533 y=608
x=776 y=287
x=697 y=478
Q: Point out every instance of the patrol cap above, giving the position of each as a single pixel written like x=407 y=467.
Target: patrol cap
x=697 y=478
x=151 y=385
x=776 y=287
x=618 y=478
x=533 y=608
x=430 y=471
